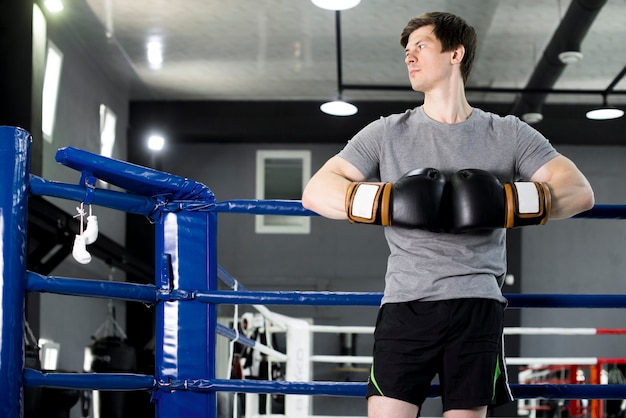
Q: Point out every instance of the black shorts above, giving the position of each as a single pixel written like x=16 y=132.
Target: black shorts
x=460 y=340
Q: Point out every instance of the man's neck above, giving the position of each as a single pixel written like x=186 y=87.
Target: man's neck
x=447 y=105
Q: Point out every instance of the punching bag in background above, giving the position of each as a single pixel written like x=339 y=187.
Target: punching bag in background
x=112 y=355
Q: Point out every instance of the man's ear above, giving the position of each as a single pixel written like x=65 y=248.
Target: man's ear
x=458 y=54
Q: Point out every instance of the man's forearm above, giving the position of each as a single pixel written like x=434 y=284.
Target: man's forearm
x=571 y=194
x=325 y=194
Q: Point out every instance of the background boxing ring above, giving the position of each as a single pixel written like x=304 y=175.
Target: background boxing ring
x=186 y=292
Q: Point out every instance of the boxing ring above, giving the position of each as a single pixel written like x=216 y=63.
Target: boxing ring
x=186 y=293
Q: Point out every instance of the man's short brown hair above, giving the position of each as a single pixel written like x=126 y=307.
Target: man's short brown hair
x=451 y=30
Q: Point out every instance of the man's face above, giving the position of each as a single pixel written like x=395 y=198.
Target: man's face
x=426 y=64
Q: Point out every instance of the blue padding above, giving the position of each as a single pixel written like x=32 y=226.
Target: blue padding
x=604 y=212
x=122 y=381
x=134 y=178
x=94 y=288
x=94 y=381
x=289 y=298
x=264 y=207
x=520 y=391
x=273 y=386
x=598 y=301
x=14 y=159
x=568 y=391
x=373 y=299
x=125 y=202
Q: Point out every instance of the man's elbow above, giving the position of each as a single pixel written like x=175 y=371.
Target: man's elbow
x=307 y=201
x=310 y=199
x=584 y=201
x=588 y=200
x=580 y=200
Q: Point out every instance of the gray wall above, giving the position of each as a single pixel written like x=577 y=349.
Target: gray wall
x=580 y=256
x=336 y=256
x=84 y=85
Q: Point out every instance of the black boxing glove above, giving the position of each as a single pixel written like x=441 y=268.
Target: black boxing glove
x=414 y=201
x=479 y=200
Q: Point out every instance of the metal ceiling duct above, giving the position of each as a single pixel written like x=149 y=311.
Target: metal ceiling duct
x=566 y=39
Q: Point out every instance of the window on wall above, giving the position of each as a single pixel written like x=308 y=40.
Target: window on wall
x=282 y=175
x=107 y=134
x=52 y=76
x=107 y=131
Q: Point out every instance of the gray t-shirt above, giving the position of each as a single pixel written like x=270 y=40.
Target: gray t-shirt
x=426 y=265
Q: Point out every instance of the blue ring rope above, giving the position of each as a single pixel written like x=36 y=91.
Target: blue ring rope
x=127 y=382
x=294 y=208
x=600 y=301
x=150 y=294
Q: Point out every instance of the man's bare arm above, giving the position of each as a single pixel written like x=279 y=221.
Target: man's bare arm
x=326 y=191
x=570 y=189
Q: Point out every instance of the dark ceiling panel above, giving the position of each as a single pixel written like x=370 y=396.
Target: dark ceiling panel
x=302 y=122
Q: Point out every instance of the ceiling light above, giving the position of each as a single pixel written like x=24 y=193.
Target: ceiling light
x=156 y=142
x=605 y=113
x=53 y=6
x=532 y=117
x=570 y=57
x=339 y=108
x=336 y=4
x=154 y=51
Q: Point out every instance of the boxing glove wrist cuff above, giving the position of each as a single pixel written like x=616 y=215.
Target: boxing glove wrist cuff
x=527 y=203
x=369 y=202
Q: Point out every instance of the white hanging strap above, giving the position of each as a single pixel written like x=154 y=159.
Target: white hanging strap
x=81 y=214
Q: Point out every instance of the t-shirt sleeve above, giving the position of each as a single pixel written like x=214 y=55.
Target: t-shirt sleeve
x=363 y=150
x=533 y=150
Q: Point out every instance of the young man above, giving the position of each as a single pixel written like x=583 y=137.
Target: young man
x=446 y=180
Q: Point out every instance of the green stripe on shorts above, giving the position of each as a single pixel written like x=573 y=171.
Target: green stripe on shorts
x=374 y=382
x=496 y=377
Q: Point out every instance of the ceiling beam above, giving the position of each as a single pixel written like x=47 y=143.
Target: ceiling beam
x=302 y=122
x=568 y=37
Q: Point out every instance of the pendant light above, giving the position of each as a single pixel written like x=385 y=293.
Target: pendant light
x=339 y=107
x=336 y=4
x=605 y=112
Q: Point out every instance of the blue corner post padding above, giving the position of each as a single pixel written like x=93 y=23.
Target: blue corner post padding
x=134 y=178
